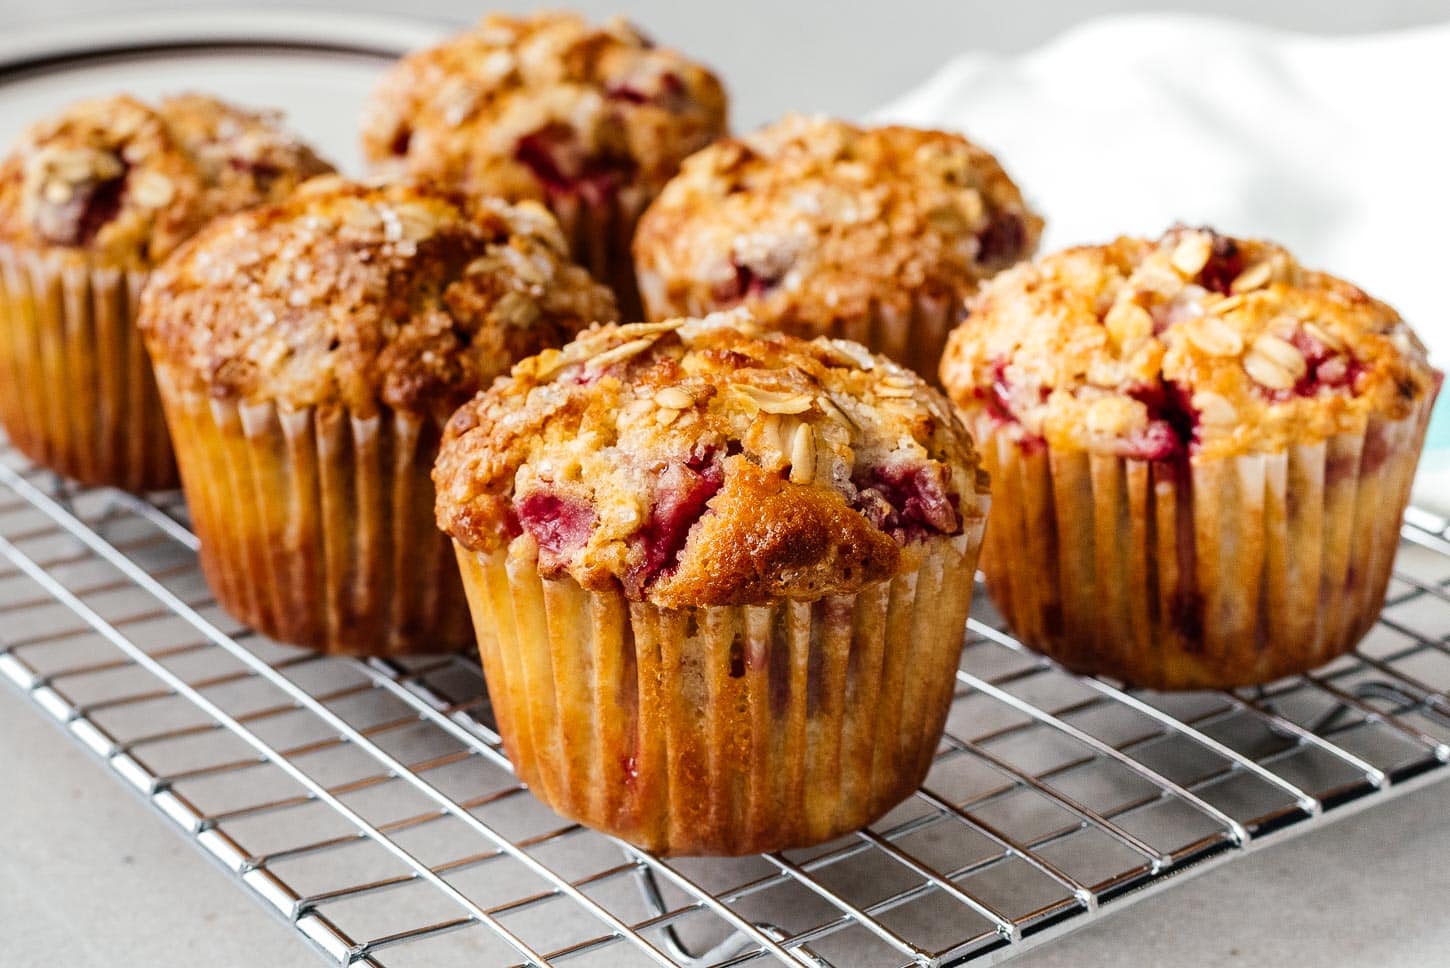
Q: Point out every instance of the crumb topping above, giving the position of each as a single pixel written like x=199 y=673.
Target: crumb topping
x=128 y=182
x=1194 y=344
x=542 y=107
x=709 y=462
x=811 y=220
x=401 y=295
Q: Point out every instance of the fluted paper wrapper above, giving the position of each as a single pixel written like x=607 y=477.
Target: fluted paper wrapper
x=316 y=526
x=726 y=729
x=600 y=234
x=914 y=335
x=76 y=390
x=1200 y=574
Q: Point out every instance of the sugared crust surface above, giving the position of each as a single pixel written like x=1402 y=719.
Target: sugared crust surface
x=530 y=107
x=703 y=462
x=401 y=295
x=810 y=220
x=128 y=183
x=1193 y=343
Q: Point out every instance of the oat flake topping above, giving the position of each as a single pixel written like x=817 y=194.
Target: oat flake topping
x=811 y=220
x=128 y=182
x=1192 y=344
x=705 y=461
x=542 y=107
x=362 y=294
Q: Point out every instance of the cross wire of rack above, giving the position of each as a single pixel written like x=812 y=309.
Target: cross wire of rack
x=369 y=803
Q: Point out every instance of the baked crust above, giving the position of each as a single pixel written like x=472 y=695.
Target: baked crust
x=529 y=107
x=1194 y=343
x=397 y=295
x=812 y=220
x=128 y=183
x=707 y=462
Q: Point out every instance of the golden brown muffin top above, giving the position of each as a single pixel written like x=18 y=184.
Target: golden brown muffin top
x=401 y=295
x=543 y=106
x=812 y=220
x=127 y=183
x=706 y=462
x=1196 y=342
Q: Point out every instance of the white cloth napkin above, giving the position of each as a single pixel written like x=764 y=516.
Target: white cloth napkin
x=1337 y=147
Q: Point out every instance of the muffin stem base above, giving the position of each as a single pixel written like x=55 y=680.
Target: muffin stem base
x=1197 y=574
x=723 y=729
x=316 y=525
x=77 y=393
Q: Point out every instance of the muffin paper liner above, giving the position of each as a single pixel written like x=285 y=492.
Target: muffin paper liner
x=600 y=233
x=721 y=729
x=1200 y=574
x=914 y=336
x=316 y=525
x=76 y=390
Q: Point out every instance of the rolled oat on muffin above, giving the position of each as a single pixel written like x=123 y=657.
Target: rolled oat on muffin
x=308 y=355
x=1200 y=454
x=821 y=227
x=719 y=576
x=90 y=201
x=590 y=120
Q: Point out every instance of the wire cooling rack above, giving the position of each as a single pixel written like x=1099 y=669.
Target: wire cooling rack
x=370 y=805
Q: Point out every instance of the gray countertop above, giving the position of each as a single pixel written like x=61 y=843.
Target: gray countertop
x=89 y=875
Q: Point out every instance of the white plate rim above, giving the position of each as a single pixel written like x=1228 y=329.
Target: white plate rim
x=54 y=47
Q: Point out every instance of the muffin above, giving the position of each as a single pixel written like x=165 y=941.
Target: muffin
x=719 y=578
x=820 y=227
x=1200 y=453
x=592 y=121
x=308 y=354
x=90 y=201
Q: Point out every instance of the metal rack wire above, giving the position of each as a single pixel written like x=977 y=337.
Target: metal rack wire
x=370 y=805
